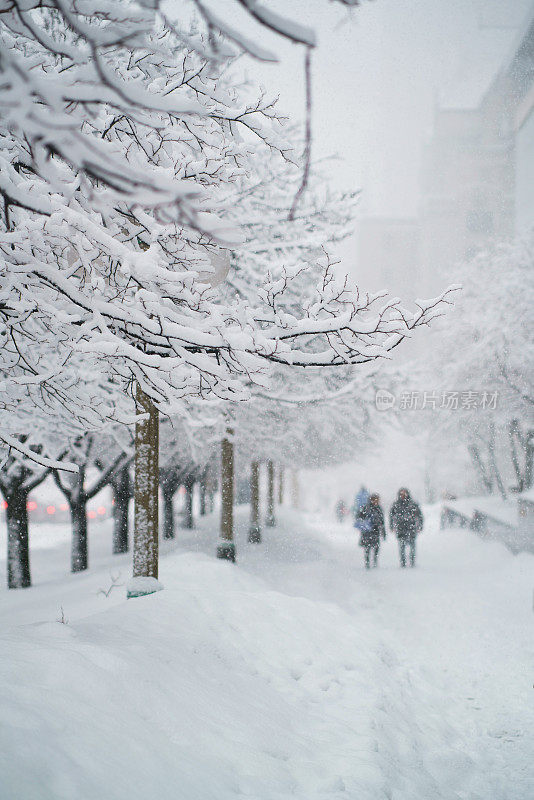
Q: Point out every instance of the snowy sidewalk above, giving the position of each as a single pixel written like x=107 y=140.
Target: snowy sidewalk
x=295 y=674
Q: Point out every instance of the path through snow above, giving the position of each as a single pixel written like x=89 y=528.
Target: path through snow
x=295 y=674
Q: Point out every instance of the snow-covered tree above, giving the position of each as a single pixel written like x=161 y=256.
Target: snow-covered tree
x=122 y=490
x=121 y=150
x=78 y=491
x=18 y=477
x=187 y=447
x=485 y=361
x=24 y=465
x=107 y=225
x=114 y=449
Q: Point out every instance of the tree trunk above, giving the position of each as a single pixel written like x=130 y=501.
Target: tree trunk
x=270 y=520
x=523 y=469
x=79 y=549
x=226 y=547
x=529 y=460
x=16 y=490
x=168 y=513
x=120 y=484
x=281 y=486
x=18 y=545
x=512 y=433
x=145 y=556
x=188 y=515
x=480 y=467
x=493 y=462
x=295 y=491
x=203 y=487
x=429 y=489
x=254 y=534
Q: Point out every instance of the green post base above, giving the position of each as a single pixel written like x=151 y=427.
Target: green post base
x=226 y=550
x=141 y=586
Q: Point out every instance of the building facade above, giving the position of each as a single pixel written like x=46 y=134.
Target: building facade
x=477 y=183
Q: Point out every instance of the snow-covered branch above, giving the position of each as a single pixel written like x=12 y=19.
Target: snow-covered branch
x=15 y=444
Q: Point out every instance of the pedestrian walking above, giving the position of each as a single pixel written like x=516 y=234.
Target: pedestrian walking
x=406 y=519
x=372 y=530
x=360 y=501
x=341 y=510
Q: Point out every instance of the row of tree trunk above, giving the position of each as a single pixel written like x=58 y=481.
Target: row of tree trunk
x=145 y=489
x=226 y=548
x=146 y=526
x=16 y=485
x=484 y=458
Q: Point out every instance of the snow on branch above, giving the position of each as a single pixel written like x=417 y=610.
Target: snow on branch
x=275 y=23
x=130 y=158
x=96 y=92
x=340 y=325
x=15 y=444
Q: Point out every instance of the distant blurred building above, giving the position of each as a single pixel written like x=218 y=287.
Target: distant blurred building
x=467 y=189
x=477 y=183
x=521 y=76
x=477 y=178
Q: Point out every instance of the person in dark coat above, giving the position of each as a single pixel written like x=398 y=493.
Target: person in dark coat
x=373 y=530
x=406 y=519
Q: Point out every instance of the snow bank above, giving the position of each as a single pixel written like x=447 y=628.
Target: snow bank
x=215 y=688
x=223 y=687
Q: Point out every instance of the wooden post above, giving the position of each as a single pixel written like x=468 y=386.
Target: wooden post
x=226 y=546
x=281 y=486
x=270 y=520
x=254 y=534
x=146 y=487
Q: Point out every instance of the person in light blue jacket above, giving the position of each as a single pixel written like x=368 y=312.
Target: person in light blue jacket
x=360 y=502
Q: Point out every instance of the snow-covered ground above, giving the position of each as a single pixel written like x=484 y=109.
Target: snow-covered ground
x=293 y=674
